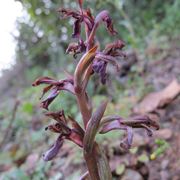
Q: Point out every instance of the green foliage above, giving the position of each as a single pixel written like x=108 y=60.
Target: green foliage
x=170 y=25
x=143 y=158
x=28 y=108
x=162 y=146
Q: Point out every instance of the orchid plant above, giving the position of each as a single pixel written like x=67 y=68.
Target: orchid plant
x=92 y=61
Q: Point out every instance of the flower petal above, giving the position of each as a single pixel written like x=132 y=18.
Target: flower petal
x=69 y=13
x=45 y=90
x=53 y=151
x=76 y=126
x=44 y=80
x=104 y=16
x=77 y=29
x=59 y=116
x=75 y=137
x=127 y=141
x=100 y=68
x=53 y=94
x=111 y=47
x=56 y=128
x=116 y=124
x=108 y=59
x=76 y=48
x=112 y=125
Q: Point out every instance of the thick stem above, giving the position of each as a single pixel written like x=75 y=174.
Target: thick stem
x=96 y=161
x=97 y=164
x=84 y=106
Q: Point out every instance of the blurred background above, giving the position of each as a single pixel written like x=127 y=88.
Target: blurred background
x=33 y=44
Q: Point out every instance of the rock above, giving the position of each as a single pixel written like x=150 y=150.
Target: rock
x=165 y=175
x=131 y=174
x=163 y=134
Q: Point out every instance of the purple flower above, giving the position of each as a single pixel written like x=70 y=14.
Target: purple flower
x=53 y=151
x=110 y=54
x=99 y=67
x=114 y=122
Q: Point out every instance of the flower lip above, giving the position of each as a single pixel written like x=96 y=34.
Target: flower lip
x=53 y=151
x=110 y=123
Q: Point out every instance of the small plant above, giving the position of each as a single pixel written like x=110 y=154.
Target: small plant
x=92 y=61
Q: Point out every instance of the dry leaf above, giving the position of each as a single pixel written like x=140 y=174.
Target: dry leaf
x=158 y=99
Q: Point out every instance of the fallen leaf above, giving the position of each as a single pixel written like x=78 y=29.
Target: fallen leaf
x=159 y=99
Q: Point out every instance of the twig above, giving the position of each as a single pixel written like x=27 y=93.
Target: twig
x=7 y=132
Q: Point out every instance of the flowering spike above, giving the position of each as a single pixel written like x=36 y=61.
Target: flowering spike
x=92 y=61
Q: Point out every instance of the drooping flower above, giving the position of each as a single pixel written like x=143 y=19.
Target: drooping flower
x=114 y=122
x=82 y=16
x=110 y=54
x=53 y=87
x=62 y=127
x=76 y=48
x=99 y=67
x=53 y=151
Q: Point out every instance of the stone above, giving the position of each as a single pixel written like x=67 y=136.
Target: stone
x=131 y=174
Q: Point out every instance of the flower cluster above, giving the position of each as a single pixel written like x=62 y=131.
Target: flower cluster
x=92 y=61
x=67 y=128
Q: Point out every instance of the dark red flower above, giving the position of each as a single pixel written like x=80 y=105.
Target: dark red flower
x=76 y=48
x=108 y=55
x=54 y=87
x=80 y=17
